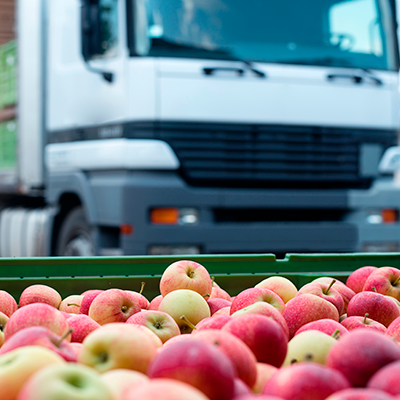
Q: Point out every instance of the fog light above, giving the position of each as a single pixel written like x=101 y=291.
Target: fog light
x=174 y=216
x=385 y=216
x=170 y=250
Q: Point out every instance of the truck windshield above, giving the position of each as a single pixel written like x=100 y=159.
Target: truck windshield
x=344 y=33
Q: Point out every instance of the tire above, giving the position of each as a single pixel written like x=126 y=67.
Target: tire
x=74 y=239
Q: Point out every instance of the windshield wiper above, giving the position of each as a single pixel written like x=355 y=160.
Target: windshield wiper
x=248 y=65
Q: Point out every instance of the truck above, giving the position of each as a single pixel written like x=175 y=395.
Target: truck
x=145 y=127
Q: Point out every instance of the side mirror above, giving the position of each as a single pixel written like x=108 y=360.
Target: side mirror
x=91 y=29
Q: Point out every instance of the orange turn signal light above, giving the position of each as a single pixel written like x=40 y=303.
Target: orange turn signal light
x=164 y=215
x=389 y=215
x=126 y=229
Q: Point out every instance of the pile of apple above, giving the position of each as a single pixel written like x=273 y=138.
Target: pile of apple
x=325 y=340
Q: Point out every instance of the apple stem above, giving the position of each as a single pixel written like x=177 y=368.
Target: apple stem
x=293 y=361
x=142 y=287
x=188 y=323
x=308 y=357
x=206 y=295
x=365 y=318
x=190 y=274
x=73 y=304
x=69 y=331
x=336 y=334
x=374 y=289
x=124 y=308
x=396 y=281
x=329 y=287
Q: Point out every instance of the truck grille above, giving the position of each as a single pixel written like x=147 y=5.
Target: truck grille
x=271 y=156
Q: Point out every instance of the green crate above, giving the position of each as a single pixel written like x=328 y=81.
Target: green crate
x=8 y=81
x=233 y=273
x=8 y=145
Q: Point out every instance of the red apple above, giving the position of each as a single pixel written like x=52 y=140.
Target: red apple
x=384 y=280
x=3 y=321
x=186 y=274
x=253 y=295
x=113 y=305
x=71 y=304
x=223 y=311
x=180 y=338
x=307 y=308
x=82 y=325
x=360 y=394
x=40 y=336
x=199 y=364
x=352 y=323
x=36 y=314
x=267 y=310
x=280 y=285
x=216 y=304
x=362 y=352
x=144 y=303
x=357 y=278
x=306 y=381
x=328 y=326
x=40 y=294
x=155 y=303
x=378 y=307
x=76 y=347
x=215 y=322
x=235 y=349
x=387 y=379
x=393 y=330
x=88 y=297
x=263 y=335
x=218 y=293
x=162 y=324
x=264 y=373
x=165 y=389
x=240 y=389
x=326 y=292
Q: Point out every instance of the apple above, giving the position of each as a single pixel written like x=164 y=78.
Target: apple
x=40 y=336
x=65 y=381
x=219 y=293
x=119 y=380
x=36 y=314
x=88 y=297
x=118 y=345
x=71 y=304
x=267 y=310
x=216 y=304
x=264 y=373
x=307 y=308
x=175 y=339
x=306 y=381
x=40 y=294
x=17 y=366
x=360 y=394
x=3 y=321
x=346 y=293
x=253 y=295
x=162 y=324
x=357 y=278
x=326 y=292
x=186 y=274
x=144 y=303
x=378 y=307
x=165 y=389
x=328 y=326
x=311 y=346
x=235 y=349
x=113 y=305
x=155 y=303
x=214 y=322
x=387 y=379
x=8 y=305
x=185 y=303
x=156 y=340
x=240 y=389
x=82 y=325
x=223 y=311
x=280 y=285
x=263 y=335
x=352 y=323
x=362 y=352
x=199 y=364
x=384 y=280
x=257 y=397
x=76 y=347
x=393 y=330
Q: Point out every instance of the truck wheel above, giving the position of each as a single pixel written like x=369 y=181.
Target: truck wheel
x=74 y=238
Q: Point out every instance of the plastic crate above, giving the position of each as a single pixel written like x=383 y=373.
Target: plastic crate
x=233 y=273
x=8 y=79
x=8 y=145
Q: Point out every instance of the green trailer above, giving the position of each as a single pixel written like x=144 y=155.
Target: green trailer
x=233 y=273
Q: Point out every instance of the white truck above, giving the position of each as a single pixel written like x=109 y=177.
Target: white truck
x=201 y=126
